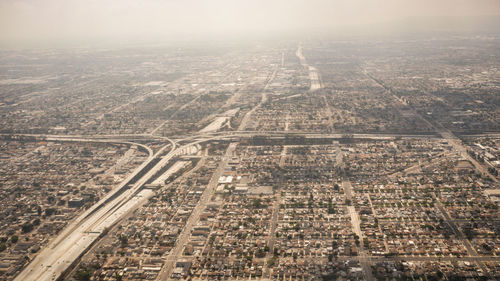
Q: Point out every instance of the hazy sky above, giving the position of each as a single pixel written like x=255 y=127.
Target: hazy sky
x=45 y=21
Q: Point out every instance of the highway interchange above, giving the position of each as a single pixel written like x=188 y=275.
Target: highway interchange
x=64 y=251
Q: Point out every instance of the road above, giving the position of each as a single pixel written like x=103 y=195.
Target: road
x=314 y=75
x=87 y=228
x=423 y=258
x=263 y=100
x=145 y=147
x=79 y=235
x=180 y=109
x=275 y=216
x=222 y=134
x=461 y=150
x=364 y=260
x=470 y=249
x=445 y=133
x=83 y=231
x=194 y=218
x=244 y=121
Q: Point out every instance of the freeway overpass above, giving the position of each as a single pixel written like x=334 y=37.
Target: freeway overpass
x=62 y=252
x=79 y=235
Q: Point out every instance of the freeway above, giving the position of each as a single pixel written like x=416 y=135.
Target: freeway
x=145 y=147
x=444 y=132
x=61 y=253
x=314 y=75
x=79 y=235
x=86 y=229
x=236 y=133
x=458 y=148
x=242 y=133
x=109 y=138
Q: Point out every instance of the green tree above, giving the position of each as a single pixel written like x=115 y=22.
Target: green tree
x=123 y=241
x=27 y=227
x=82 y=275
x=257 y=203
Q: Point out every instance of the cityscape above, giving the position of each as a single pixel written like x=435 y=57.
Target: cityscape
x=303 y=159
